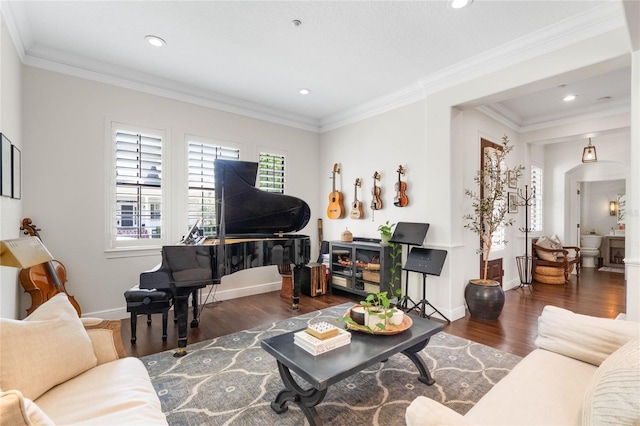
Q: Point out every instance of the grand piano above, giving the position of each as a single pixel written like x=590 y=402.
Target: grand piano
x=253 y=230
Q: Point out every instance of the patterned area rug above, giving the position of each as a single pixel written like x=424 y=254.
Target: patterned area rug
x=230 y=380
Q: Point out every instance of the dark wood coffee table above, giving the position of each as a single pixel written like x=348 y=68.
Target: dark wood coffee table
x=323 y=370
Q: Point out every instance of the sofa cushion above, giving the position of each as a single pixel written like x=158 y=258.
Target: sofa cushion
x=15 y=410
x=613 y=395
x=424 y=411
x=544 y=388
x=582 y=337
x=47 y=348
x=120 y=393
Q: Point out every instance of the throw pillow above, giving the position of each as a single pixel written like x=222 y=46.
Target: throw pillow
x=548 y=244
x=582 y=337
x=613 y=395
x=16 y=410
x=555 y=242
x=47 y=348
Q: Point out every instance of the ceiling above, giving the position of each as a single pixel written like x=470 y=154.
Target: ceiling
x=250 y=57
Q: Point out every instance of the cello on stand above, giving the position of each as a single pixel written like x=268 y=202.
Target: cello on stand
x=43 y=281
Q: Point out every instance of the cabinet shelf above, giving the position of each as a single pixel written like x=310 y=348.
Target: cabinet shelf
x=355 y=277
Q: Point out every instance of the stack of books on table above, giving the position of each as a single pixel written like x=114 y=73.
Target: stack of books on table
x=321 y=337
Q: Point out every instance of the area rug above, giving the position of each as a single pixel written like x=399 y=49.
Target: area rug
x=230 y=380
x=609 y=269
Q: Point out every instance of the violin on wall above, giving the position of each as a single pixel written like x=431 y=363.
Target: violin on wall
x=401 y=199
x=43 y=281
x=376 y=202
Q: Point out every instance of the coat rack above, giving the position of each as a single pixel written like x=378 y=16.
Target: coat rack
x=525 y=263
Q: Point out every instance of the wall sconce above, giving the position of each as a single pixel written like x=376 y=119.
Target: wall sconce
x=613 y=208
x=589 y=153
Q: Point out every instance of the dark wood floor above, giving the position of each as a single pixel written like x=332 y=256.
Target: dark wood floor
x=599 y=294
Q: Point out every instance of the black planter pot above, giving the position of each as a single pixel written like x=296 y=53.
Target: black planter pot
x=484 y=298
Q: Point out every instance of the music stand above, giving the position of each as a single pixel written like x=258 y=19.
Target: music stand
x=410 y=234
x=426 y=262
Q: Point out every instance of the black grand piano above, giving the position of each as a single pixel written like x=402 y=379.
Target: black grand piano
x=252 y=227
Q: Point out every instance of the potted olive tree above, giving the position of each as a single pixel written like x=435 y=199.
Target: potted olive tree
x=485 y=297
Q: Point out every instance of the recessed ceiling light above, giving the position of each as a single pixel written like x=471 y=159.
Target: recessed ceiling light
x=570 y=98
x=305 y=91
x=459 y=4
x=155 y=41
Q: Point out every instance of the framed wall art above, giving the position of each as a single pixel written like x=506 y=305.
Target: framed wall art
x=16 y=172
x=513 y=202
x=512 y=179
x=5 y=166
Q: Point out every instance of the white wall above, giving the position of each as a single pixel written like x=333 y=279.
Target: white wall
x=564 y=169
x=66 y=122
x=442 y=128
x=594 y=205
x=10 y=125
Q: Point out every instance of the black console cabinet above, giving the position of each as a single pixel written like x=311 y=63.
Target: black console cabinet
x=351 y=270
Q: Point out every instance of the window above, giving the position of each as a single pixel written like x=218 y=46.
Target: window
x=201 y=203
x=535 y=211
x=138 y=186
x=271 y=173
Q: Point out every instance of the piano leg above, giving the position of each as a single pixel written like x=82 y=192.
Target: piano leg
x=296 y=287
x=194 y=302
x=181 y=312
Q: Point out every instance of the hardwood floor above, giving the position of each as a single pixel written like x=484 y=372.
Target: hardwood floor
x=599 y=294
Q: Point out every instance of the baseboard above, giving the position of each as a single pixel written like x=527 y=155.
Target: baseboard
x=219 y=295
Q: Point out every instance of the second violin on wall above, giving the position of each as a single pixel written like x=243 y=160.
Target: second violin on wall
x=401 y=199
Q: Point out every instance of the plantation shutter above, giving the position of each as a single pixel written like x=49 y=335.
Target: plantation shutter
x=535 y=213
x=201 y=203
x=271 y=173
x=138 y=186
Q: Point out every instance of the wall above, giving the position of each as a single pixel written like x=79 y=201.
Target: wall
x=564 y=169
x=443 y=133
x=594 y=205
x=10 y=124
x=66 y=128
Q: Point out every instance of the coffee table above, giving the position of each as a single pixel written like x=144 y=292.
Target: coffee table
x=323 y=370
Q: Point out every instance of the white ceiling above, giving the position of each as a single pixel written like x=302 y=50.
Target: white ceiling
x=248 y=56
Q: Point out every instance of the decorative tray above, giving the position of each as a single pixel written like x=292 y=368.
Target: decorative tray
x=391 y=329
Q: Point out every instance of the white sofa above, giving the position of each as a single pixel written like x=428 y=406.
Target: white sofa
x=56 y=368
x=586 y=370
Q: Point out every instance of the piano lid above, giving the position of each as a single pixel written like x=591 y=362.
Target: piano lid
x=249 y=210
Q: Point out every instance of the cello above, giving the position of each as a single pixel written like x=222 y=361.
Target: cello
x=43 y=281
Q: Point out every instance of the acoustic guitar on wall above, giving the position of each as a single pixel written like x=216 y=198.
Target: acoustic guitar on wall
x=336 y=209
x=356 y=206
x=401 y=199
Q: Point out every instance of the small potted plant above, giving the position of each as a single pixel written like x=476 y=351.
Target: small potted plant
x=386 y=231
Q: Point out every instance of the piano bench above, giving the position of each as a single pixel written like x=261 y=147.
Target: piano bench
x=142 y=301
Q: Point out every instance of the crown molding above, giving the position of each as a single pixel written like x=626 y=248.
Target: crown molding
x=591 y=23
x=587 y=114
x=395 y=100
x=116 y=76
